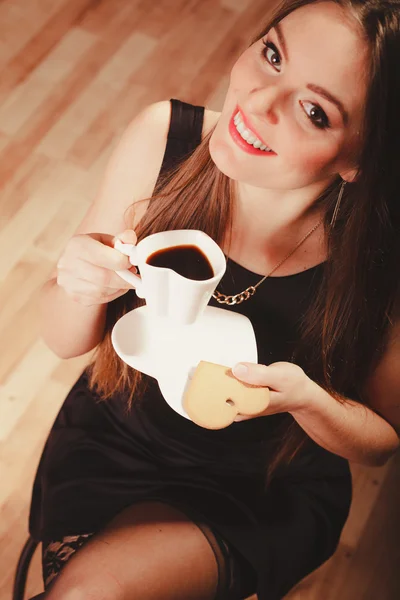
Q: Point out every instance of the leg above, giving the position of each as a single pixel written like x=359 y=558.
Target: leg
x=150 y=551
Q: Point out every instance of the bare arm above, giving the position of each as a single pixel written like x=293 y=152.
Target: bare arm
x=68 y=327
x=368 y=435
x=350 y=429
x=363 y=434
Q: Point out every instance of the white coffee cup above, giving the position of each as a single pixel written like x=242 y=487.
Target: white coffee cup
x=167 y=293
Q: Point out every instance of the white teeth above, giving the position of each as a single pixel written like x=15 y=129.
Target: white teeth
x=247 y=135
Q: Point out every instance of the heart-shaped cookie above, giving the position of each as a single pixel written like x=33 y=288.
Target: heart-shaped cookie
x=214 y=397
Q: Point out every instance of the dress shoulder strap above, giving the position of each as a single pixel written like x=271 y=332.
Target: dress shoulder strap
x=185 y=129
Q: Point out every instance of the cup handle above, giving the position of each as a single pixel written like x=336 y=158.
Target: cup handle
x=130 y=250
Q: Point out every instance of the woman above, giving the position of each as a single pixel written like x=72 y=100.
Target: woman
x=297 y=180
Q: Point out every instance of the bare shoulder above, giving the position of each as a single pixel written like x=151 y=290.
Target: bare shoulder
x=132 y=170
x=210 y=120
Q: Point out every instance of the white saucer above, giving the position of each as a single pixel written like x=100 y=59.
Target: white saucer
x=170 y=353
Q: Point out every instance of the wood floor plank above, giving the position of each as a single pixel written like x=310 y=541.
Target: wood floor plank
x=53 y=239
x=164 y=15
x=89 y=148
x=23 y=184
x=18 y=336
x=219 y=62
x=95 y=20
x=364 y=572
x=223 y=54
x=3 y=141
x=32 y=430
x=20 y=21
x=99 y=96
x=31 y=271
x=22 y=385
x=24 y=447
x=59 y=63
x=237 y=5
x=65 y=93
x=68 y=371
x=46 y=201
x=190 y=32
x=330 y=580
x=37 y=48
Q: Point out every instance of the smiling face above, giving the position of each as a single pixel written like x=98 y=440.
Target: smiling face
x=300 y=91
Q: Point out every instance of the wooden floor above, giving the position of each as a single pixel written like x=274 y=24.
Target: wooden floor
x=74 y=73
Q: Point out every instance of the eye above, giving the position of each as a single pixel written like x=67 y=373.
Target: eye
x=316 y=115
x=271 y=54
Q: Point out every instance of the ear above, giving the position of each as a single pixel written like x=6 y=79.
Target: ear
x=351 y=175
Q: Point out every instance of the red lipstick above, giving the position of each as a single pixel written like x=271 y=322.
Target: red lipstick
x=237 y=138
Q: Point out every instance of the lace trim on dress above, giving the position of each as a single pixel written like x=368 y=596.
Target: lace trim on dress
x=57 y=553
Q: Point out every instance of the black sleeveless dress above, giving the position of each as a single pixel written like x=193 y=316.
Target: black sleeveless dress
x=99 y=458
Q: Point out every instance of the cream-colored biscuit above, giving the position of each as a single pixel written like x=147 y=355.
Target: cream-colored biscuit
x=215 y=397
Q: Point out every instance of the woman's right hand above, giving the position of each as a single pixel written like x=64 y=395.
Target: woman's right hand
x=86 y=268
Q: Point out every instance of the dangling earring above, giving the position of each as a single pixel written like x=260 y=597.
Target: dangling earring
x=338 y=203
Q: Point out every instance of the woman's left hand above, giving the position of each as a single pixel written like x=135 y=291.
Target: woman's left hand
x=288 y=384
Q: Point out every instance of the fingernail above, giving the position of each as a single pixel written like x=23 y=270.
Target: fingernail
x=240 y=370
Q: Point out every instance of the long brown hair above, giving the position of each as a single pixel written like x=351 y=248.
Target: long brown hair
x=345 y=331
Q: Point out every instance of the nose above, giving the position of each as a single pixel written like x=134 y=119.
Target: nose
x=264 y=104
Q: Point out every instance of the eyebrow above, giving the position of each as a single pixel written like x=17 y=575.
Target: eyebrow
x=311 y=86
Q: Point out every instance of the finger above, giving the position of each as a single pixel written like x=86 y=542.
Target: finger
x=98 y=276
x=127 y=237
x=95 y=300
x=87 y=293
x=102 y=280
x=252 y=373
x=243 y=418
x=103 y=277
x=95 y=252
x=274 y=407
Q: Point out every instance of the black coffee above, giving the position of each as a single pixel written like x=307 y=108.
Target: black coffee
x=187 y=260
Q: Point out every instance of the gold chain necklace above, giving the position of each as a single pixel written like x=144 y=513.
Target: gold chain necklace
x=251 y=290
